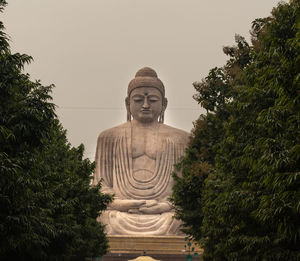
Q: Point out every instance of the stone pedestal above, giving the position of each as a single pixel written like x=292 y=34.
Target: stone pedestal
x=164 y=248
x=148 y=244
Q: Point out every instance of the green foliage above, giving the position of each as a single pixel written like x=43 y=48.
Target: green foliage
x=48 y=209
x=248 y=202
x=74 y=204
x=215 y=93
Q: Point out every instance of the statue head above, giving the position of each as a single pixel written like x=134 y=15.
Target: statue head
x=146 y=100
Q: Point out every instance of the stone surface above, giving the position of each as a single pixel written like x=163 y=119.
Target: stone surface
x=135 y=161
x=151 y=245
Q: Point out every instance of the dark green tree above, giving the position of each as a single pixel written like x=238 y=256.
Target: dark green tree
x=74 y=204
x=48 y=208
x=214 y=93
x=248 y=203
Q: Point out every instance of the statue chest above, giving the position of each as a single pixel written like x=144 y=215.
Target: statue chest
x=144 y=143
x=144 y=148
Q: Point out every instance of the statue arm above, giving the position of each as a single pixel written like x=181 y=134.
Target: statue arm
x=155 y=207
x=126 y=205
x=140 y=206
x=104 y=164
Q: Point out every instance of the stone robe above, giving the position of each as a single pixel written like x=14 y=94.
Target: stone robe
x=114 y=164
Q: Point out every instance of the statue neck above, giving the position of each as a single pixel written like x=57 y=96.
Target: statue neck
x=135 y=123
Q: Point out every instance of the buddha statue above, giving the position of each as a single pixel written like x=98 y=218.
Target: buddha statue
x=135 y=161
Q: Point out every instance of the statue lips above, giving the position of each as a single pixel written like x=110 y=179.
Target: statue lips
x=146 y=111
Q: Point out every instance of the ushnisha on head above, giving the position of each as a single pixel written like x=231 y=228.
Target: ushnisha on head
x=146 y=100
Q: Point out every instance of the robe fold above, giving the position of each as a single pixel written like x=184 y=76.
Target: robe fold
x=114 y=164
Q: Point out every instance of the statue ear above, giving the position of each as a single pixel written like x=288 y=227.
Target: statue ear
x=127 y=103
x=165 y=103
x=162 y=114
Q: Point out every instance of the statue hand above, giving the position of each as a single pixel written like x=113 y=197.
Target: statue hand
x=134 y=211
x=150 y=203
x=126 y=204
x=147 y=204
x=157 y=208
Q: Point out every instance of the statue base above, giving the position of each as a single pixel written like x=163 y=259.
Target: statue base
x=163 y=248
x=171 y=245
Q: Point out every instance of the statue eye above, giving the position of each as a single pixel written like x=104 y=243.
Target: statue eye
x=138 y=100
x=153 y=99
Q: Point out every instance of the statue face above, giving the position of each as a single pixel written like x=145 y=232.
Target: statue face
x=146 y=104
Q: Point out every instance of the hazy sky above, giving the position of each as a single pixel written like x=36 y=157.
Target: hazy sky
x=91 y=50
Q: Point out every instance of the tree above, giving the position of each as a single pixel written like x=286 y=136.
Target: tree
x=249 y=200
x=48 y=209
x=75 y=205
x=215 y=93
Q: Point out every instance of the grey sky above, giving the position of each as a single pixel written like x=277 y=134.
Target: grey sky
x=91 y=50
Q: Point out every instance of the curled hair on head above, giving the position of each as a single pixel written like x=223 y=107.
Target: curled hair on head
x=146 y=77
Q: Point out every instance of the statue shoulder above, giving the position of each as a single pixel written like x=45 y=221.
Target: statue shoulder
x=177 y=135
x=114 y=132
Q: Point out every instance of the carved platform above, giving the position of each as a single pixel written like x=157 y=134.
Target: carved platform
x=148 y=244
x=159 y=247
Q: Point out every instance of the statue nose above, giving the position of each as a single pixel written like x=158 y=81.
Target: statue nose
x=146 y=104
